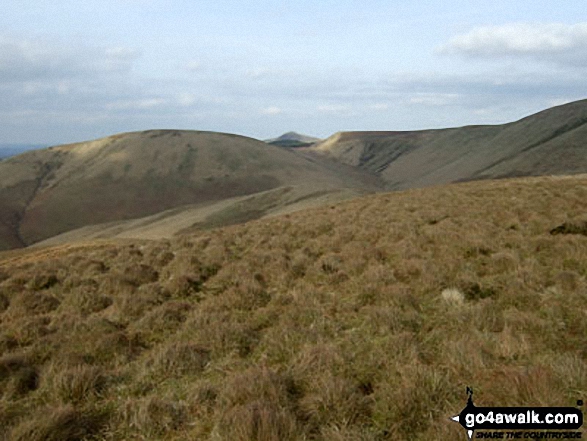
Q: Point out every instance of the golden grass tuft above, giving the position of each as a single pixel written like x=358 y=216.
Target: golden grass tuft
x=76 y=384
x=161 y=321
x=177 y=359
x=257 y=407
x=257 y=420
x=333 y=399
x=154 y=416
x=87 y=301
x=28 y=303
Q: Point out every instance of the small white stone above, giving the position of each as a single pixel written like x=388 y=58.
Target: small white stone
x=453 y=296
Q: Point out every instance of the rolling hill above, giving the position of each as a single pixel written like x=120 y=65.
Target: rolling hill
x=47 y=192
x=549 y=142
x=158 y=183
x=363 y=320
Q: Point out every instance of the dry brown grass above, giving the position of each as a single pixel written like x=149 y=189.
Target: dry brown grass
x=358 y=321
x=76 y=384
x=63 y=423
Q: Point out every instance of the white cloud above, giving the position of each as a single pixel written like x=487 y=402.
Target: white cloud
x=193 y=66
x=258 y=73
x=63 y=87
x=146 y=103
x=434 y=99
x=544 y=41
x=333 y=108
x=379 y=106
x=36 y=59
x=186 y=99
x=48 y=86
x=272 y=110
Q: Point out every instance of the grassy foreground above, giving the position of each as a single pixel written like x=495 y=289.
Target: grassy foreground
x=361 y=321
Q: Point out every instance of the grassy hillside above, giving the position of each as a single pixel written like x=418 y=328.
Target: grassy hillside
x=48 y=192
x=550 y=142
x=363 y=320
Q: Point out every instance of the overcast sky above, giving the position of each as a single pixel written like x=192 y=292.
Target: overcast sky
x=74 y=70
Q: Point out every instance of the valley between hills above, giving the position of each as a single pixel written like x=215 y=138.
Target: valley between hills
x=179 y=285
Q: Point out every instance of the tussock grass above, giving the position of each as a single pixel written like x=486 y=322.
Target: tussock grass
x=18 y=376
x=361 y=321
x=154 y=416
x=178 y=359
x=64 y=423
x=76 y=384
x=571 y=228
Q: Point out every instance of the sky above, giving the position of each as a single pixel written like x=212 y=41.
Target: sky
x=73 y=71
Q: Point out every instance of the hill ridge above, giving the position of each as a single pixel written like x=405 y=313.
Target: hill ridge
x=427 y=157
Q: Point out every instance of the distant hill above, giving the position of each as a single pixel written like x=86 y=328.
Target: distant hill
x=47 y=192
x=293 y=139
x=553 y=141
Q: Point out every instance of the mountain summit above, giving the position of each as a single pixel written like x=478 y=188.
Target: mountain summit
x=293 y=139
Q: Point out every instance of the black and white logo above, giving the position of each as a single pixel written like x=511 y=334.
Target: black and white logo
x=474 y=418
